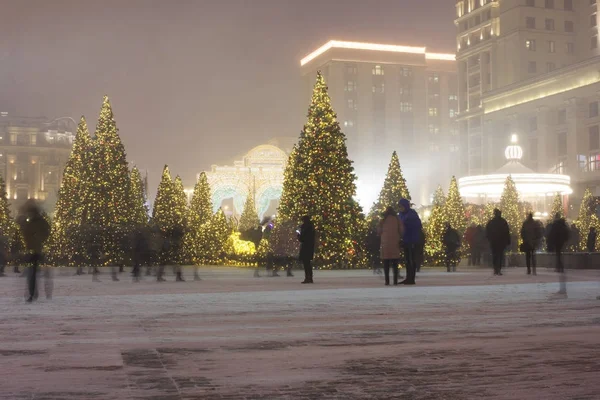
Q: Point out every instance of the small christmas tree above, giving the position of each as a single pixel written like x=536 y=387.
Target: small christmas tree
x=322 y=184
x=6 y=222
x=139 y=211
x=557 y=207
x=454 y=208
x=394 y=189
x=510 y=207
x=199 y=216
x=587 y=217
x=434 y=229
x=249 y=218
x=214 y=239
x=165 y=203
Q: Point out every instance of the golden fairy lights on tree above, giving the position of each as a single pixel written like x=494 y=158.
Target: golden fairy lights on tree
x=139 y=211
x=510 y=207
x=322 y=184
x=394 y=189
x=249 y=218
x=587 y=217
x=557 y=207
x=199 y=216
x=434 y=229
x=454 y=208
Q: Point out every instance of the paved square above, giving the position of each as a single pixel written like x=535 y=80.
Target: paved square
x=231 y=336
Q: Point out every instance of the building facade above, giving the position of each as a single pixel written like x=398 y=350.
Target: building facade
x=33 y=154
x=388 y=98
x=530 y=68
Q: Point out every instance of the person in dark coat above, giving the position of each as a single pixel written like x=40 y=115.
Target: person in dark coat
x=558 y=238
x=591 y=240
x=411 y=238
x=35 y=231
x=390 y=230
x=4 y=249
x=498 y=235
x=531 y=235
x=176 y=251
x=140 y=252
x=451 y=241
x=307 y=238
x=420 y=251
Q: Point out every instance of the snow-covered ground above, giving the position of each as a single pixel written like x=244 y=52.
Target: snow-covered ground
x=457 y=336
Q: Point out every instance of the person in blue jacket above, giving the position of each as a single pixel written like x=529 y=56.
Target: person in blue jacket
x=411 y=239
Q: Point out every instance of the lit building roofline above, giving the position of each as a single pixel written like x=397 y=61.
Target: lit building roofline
x=375 y=47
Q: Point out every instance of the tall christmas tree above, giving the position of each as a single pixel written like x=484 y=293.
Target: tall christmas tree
x=199 y=216
x=214 y=239
x=6 y=222
x=323 y=184
x=587 y=217
x=509 y=205
x=394 y=189
x=165 y=203
x=454 y=208
x=249 y=218
x=181 y=203
x=434 y=229
x=557 y=207
x=139 y=211
x=65 y=242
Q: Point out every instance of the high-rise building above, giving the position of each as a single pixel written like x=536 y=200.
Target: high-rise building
x=530 y=68
x=33 y=154
x=391 y=97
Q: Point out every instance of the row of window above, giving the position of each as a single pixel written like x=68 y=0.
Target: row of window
x=593 y=112
x=567 y=4
x=378 y=70
x=531 y=45
x=569 y=26
x=533 y=69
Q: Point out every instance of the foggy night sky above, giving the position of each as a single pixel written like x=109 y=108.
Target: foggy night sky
x=192 y=82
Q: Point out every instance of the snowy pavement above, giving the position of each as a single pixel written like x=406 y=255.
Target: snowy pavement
x=231 y=336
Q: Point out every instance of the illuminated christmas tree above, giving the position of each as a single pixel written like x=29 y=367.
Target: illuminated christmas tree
x=557 y=207
x=139 y=211
x=394 y=189
x=165 y=204
x=510 y=207
x=6 y=222
x=454 y=208
x=434 y=229
x=215 y=238
x=587 y=217
x=322 y=184
x=249 y=218
x=199 y=216
x=65 y=244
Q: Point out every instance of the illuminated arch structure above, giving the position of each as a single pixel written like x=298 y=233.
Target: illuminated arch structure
x=260 y=172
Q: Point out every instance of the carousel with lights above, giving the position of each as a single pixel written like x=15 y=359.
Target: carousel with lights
x=533 y=187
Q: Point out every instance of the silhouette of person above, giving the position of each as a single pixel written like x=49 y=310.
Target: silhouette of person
x=307 y=237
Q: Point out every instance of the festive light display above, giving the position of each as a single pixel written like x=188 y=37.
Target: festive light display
x=65 y=244
x=587 y=218
x=321 y=184
x=557 y=207
x=139 y=211
x=511 y=208
x=7 y=225
x=249 y=218
x=240 y=252
x=434 y=229
x=215 y=239
x=199 y=216
x=394 y=189
x=454 y=208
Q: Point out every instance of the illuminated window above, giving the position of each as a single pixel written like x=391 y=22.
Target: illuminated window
x=530 y=22
x=532 y=67
x=452 y=113
x=530 y=44
x=349 y=123
x=405 y=91
x=551 y=46
x=379 y=88
x=570 y=48
x=594 y=162
x=550 y=66
x=434 y=129
x=433 y=112
x=350 y=86
x=405 y=106
x=378 y=70
x=453 y=97
x=594 y=137
x=569 y=27
x=569 y=5
x=407 y=72
x=549 y=24
x=549 y=4
x=434 y=78
x=593 y=109
x=352 y=104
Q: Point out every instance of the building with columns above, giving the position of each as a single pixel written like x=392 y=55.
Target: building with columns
x=33 y=154
x=530 y=68
x=391 y=97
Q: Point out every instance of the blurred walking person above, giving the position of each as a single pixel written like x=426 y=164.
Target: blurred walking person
x=470 y=236
x=307 y=238
x=531 y=235
x=140 y=252
x=391 y=231
x=451 y=241
x=35 y=231
x=411 y=237
x=498 y=235
x=558 y=238
x=591 y=240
